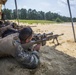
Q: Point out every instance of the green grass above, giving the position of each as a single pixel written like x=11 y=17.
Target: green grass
x=36 y=21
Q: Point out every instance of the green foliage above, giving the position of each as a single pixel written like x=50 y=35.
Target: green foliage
x=36 y=21
x=74 y=19
x=58 y=20
x=7 y=13
x=36 y=15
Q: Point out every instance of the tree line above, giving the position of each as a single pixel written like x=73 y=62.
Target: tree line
x=35 y=15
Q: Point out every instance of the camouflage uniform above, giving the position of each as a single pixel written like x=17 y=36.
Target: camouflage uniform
x=3 y=29
x=7 y=30
x=11 y=46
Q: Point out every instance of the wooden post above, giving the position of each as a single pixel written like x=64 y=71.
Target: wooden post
x=0 y=11
x=71 y=20
x=17 y=12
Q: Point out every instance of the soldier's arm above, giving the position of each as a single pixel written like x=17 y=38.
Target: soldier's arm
x=29 y=60
x=3 y=29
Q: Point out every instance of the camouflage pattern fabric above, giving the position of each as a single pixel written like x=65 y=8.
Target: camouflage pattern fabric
x=26 y=58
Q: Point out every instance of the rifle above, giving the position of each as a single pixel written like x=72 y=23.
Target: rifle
x=55 y=37
x=15 y=26
x=30 y=44
x=41 y=36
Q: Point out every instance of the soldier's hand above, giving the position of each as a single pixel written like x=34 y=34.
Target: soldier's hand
x=37 y=47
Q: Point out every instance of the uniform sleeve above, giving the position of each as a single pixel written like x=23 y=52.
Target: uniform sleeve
x=3 y=29
x=27 y=59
